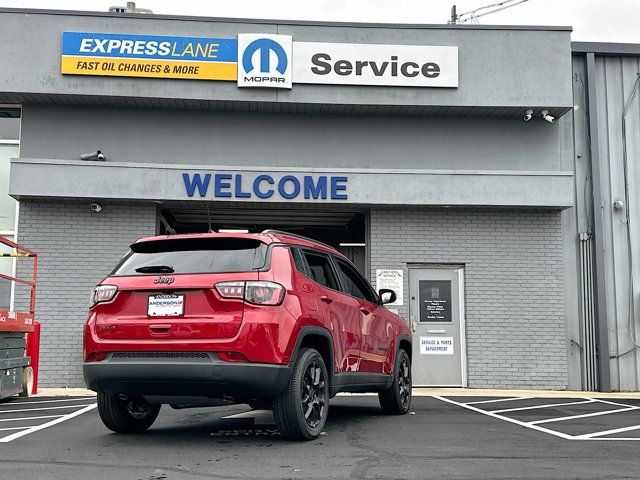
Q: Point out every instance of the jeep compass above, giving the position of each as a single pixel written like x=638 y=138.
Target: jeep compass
x=272 y=319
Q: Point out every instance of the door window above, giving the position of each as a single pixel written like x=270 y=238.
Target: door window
x=435 y=300
x=320 y=270
x=354 y=284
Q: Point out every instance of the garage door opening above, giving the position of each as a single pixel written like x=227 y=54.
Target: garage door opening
x=342 y=228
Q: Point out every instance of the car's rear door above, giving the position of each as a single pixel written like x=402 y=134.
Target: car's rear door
x=341 y=312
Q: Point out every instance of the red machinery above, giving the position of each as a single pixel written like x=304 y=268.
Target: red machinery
x=17 y=369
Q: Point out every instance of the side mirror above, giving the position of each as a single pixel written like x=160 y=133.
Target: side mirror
x=387 y=295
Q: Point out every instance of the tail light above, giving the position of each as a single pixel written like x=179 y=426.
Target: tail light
x=102 y=293
x=258 y=293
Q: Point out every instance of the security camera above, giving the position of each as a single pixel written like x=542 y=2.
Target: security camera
x=97 y=155
x=528 y=115
x=547 y=117
x=95 y=207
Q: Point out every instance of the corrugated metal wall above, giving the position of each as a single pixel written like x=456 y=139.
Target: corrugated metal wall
x=619 y=154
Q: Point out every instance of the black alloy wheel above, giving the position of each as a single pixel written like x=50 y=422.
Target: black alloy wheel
x=314 y=394
x=396 y=400
x=301 y=410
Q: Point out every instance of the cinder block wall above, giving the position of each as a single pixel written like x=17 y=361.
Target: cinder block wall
x=76 y=248
x=514 y=294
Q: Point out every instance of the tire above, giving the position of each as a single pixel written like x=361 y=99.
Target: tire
x=301 y=410
x=397 y=399
x=27 y=382
x=126 y=416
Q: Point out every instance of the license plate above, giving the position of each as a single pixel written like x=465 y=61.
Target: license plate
x=165 y=306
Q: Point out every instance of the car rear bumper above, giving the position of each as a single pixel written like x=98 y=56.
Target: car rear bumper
x=184 y=374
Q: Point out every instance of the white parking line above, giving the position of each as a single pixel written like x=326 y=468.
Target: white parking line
x=45 y=408
x=535 y=424
x=13 y=436
x=535 y=407
x=48 y=401
x=608 y=432
x=506 y=419
x=29 y=418
x=15 y=428
x=510 y=399
x=584 y=415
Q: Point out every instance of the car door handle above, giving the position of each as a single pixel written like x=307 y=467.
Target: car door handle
x=326 y=299
x=365 y=311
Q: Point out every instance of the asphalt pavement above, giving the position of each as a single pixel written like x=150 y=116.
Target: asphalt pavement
x=442 y=438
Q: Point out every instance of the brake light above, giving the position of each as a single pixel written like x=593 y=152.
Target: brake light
x=258 y=293
x=102 y=293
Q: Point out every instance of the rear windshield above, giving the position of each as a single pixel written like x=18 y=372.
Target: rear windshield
x=197 y=255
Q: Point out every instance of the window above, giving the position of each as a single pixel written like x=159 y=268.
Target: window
x=299 y=262
x=9 y=148
x=354 y=284
x=320 y=269
x=197 y=255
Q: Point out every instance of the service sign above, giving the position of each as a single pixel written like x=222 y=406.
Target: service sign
x=123 y=55
x=258 y=60
x=370 y=64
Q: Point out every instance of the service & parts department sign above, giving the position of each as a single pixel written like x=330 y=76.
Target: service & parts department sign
x=258 y=60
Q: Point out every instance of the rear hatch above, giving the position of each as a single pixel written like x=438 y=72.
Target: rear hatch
x=166 y=289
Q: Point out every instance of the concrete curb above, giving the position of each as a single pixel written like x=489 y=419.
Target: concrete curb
x=467 y=392
x=64 y=392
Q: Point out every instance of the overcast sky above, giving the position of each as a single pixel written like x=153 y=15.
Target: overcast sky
x=592 y=20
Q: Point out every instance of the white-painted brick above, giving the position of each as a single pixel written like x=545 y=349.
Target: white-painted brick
x=514 y=297
x=76 y=249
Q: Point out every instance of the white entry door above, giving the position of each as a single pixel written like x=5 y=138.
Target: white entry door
x=436 y=313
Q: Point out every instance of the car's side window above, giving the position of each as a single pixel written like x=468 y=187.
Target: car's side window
x=299 y=262
x=354 y=284
x=320 y=269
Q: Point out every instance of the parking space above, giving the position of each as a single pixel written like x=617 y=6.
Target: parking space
x=567 y=418
x=20 y=417
x=442 y=437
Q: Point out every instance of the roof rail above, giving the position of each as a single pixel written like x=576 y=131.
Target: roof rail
x=271 y=231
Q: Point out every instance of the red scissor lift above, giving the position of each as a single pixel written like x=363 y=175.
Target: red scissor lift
x=16 y=372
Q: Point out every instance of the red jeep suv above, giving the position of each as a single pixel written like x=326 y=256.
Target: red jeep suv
x=271 y=319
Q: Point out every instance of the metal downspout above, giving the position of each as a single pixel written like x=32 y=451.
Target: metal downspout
x=604 y=384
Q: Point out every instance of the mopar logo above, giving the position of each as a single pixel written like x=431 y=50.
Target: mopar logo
x=264 y=60
x=165 y=280
x=265 y=46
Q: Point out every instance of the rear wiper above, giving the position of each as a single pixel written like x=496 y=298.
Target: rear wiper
x=155 y=269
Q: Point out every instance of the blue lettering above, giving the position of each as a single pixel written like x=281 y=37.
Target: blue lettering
x=221 y=180
x=317 y=190
x=239 y=192
x=256 y=186
x=337 y=185
x=283 y=191
x=196 y=182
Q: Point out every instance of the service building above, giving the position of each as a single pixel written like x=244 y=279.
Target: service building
x=404 y=146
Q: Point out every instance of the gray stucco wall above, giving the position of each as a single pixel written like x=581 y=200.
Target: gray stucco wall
x=76 y=249
x=498 y=67
x=200 y=138
x=514 y=293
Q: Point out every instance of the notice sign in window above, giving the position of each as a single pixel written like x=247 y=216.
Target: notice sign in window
x=435 y=300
